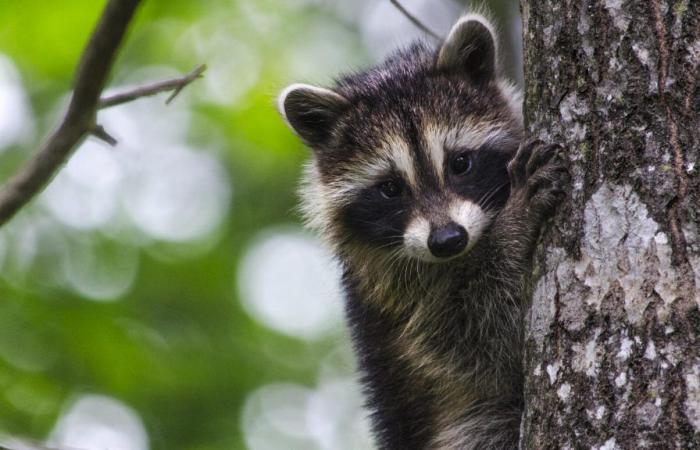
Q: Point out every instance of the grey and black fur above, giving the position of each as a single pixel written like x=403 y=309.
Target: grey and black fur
x=420 y=185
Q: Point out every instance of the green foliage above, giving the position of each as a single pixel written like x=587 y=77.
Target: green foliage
x=136 y=311
x=176 y=345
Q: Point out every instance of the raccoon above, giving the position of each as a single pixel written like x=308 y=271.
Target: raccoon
x=420 y=185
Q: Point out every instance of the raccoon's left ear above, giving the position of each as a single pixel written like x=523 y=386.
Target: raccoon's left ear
x=471 y=48
x=311 y=111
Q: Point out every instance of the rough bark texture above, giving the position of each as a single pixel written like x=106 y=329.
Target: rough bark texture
x=613 y=338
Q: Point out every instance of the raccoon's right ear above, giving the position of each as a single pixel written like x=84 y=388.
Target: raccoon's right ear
x=311 y=111
x=470 y=48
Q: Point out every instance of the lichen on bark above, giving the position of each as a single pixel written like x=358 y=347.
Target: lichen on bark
x=612 y=357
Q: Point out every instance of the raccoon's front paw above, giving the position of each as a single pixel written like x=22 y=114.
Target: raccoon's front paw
x=539 y=176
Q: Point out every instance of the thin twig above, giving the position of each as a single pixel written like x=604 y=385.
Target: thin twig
x=90 y=78
x=175 y=85
x=100 y=133
x=415 y=20
x=81 y=118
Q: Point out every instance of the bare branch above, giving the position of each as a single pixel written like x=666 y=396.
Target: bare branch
x=90 y=79
x=175 y=85
x=415 y=20
x=80 y=119
x=100 y=133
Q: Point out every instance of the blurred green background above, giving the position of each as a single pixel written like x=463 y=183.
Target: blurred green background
x=162 y=294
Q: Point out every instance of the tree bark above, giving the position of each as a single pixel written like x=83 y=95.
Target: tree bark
x=612 y=338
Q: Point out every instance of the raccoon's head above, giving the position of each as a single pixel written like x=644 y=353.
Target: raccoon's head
x=410 y=156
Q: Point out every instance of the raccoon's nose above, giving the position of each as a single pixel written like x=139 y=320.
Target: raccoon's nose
x=448 y=240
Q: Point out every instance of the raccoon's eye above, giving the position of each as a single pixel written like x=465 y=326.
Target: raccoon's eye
x=390 y=188
x=461 y=164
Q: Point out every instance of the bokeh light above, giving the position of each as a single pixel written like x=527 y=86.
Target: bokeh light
x=178 y=194
x=98 y=422
x=289 y=283
x=274 y=418
x=336 y=417
x=85 y=193
x=100 y=269
x=233 y=65
x=288 y=417
x=384 y=28
x=16 y=118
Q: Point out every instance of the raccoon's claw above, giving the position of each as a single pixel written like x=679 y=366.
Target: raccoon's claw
x=546 y=188
x=541 y=155
x=539 y=172
x=517 y=166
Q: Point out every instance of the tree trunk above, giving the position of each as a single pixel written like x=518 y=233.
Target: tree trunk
x=613 y=348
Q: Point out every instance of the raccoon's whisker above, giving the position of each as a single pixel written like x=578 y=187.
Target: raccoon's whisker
x=485 y=196
x=487 y=205
x=399 y=264
x=392 y=243
x=484 y=199
x=494 y=192
x=419 y=277
x=397 y=271
x=407 y=275
x=377 y=226
x=394 y=258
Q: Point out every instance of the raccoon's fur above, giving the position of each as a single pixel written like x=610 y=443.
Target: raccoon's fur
x=419 y=184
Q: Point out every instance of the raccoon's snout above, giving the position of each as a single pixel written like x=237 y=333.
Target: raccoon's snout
x=448 y=240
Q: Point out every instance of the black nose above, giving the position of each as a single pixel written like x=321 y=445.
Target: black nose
x=448 y=240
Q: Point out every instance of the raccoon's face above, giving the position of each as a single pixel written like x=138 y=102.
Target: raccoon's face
x=411 y=157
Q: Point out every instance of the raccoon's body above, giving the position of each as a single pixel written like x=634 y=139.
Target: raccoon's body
x=422 y=189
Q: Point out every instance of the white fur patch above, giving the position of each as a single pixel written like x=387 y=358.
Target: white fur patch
x=415 y=239
x=514 y=97
x=362 y=174
x=366 y=172
x=471 y=135
x=398 y=152
x=474 y=136
x=469 y=215
x=435 y=142
x=463 y=212
x=316 y=205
